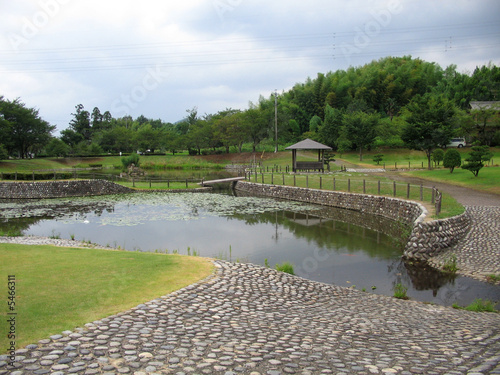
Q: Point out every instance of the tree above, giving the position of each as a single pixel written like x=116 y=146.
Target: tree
x=330 y=129
x=437 y=156
x=81 y=123
x=430 y=123
x=452 y=159
x=477 y=157
x=57 y=148
x=359 y=129
x=26 y=132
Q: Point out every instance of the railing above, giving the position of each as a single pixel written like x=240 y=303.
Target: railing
x=351 y=185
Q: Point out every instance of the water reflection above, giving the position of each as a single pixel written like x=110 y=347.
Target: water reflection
x=325 y=244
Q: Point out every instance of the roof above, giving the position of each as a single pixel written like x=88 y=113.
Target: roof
x=308 y=144
x=485 y=105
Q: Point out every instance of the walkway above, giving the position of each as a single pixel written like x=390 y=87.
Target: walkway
x=248 y=319
x=478 y=254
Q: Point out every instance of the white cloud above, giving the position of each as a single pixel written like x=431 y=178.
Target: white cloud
x=215 y=54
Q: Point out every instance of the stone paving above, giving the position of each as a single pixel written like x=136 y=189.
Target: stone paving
x=247 y=319
x=478 y=254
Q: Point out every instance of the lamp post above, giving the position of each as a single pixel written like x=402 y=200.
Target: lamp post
x=276 y=119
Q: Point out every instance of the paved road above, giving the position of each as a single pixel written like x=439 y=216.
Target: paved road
x=249 y=319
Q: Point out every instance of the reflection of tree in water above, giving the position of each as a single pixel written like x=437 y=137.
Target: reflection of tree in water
x=326 y=233
x=425 y=277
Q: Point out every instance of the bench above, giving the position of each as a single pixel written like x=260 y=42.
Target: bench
x=309 y=166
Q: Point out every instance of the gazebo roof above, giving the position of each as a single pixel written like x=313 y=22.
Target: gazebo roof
x=308 y=144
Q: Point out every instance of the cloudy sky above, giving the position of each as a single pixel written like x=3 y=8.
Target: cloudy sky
x=161 y=57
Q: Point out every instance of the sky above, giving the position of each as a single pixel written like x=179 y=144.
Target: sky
x=160 y=58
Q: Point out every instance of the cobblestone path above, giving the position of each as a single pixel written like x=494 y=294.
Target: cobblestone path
x=248 y=319
x=478 y=253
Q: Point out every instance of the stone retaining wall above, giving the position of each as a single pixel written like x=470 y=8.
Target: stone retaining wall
x=426 y=239
x=59 y=189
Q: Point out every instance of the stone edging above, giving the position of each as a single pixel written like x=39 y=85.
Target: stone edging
x=74 y=188
x=427 y=239
x=59 y=189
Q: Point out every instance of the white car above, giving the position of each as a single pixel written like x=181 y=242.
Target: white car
x=457 y=142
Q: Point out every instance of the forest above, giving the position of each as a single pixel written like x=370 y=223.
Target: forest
x=389 y=103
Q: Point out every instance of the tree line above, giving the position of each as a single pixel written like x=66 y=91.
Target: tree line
x=391 y=102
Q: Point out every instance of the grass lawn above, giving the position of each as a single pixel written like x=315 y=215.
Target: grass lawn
x=60 y=289
x=488 y=179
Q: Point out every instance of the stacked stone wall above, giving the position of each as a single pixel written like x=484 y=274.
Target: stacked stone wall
x=427 y=238
x=59 y=189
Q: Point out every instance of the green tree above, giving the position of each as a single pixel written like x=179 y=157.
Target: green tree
x=477 y=157
x=80 y=124
x=360 y=129
x=24 y=130
x=330 y=129
x=57 y=148
x=430 y=123
x=437 y=156
x=452 y=159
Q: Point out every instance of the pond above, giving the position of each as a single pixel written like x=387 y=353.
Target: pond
x=324 y=244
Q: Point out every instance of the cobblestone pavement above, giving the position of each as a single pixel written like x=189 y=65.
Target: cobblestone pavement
x=478 y=253
x=248 y=319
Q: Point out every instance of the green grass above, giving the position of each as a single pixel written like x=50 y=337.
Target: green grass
x=479 y=305
x=286 y=267
x=60 y=289
x=163 y=185
x=400 y=291
x=354 y=184
x=488 y=179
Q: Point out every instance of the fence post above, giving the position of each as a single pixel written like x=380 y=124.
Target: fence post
x=150 y=183
x=262 y=177
x=364 y=186
x=422 y=192
x=408 y=191
x=321 y=182
x=272 y=177
x=394 y=188
x=334 y=183
x=438 y=202
x=168 y=183
x=307 y=181
x=283 y=174
x=396 y=165
x=349 y=185
x=294 y=181
x=378 y=187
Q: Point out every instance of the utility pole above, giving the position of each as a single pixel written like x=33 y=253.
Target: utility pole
x=276 y=119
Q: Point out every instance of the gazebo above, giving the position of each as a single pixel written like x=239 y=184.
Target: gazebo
x=308 y=144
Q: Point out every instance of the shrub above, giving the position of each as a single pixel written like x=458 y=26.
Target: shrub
x=127 y=161
x=378 y=158
x=286 y=267
x=452 y=159
x=437 y=156
x=477 y=157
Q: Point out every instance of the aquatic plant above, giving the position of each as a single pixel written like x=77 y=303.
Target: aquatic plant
x=286 y=267
x=400 y=291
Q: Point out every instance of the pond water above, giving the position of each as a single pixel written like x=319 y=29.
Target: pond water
x=327 y=245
